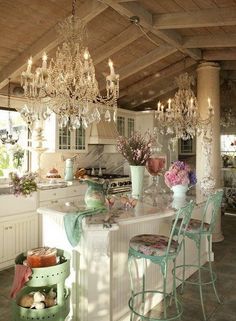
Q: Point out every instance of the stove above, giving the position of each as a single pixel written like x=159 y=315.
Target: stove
x=115 y=183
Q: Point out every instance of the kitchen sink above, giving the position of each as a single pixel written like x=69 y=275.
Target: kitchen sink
x=5 y=189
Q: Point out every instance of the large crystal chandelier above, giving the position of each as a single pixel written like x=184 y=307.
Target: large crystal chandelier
x=70 y=80
x=181 y=118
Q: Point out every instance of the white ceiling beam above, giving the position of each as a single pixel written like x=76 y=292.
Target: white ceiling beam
x=220 y=54
x=212 y=41
x=158 y=77
x=196 y=19
x=171 y=37
x=118 y=42
x=50 y=40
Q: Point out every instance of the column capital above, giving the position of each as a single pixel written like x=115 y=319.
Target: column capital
x=208 y=64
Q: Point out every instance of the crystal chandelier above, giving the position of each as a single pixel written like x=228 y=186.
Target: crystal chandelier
x=181 y=117
x=70 y=82
x=7 y=137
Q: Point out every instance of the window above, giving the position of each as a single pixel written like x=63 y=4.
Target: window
x=13 y=157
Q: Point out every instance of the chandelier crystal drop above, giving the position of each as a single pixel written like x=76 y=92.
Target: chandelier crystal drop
x=181 y=118
x=7 y=136
x=70 y=82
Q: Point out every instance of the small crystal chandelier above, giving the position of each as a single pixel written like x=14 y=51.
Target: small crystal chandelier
x=7 y=137
x=181 y=117
x=70 y=82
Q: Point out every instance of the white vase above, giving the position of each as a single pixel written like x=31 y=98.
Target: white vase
x=137 y=175
x=179 y=196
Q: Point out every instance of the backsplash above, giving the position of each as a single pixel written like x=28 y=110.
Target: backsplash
x=95 y=157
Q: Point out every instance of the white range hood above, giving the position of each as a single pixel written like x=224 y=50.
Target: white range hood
x=103 y=133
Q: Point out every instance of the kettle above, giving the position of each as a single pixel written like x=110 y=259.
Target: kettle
x=69 y=175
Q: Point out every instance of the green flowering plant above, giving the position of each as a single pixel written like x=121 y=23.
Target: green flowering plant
x=23 y=185
x=136 y=149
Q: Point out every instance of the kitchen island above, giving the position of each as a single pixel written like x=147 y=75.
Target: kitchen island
x=99 y=282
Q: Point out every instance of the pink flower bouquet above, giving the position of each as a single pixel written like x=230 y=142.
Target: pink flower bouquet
x=180 y=173
x=136 y=149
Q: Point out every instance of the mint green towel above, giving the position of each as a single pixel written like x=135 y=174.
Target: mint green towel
x=73 y=223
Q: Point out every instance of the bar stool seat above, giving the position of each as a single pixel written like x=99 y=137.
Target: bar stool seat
x=196 y=230
x=152 y=244
x=161 y=250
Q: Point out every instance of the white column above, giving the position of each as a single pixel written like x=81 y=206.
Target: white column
x=208 y=86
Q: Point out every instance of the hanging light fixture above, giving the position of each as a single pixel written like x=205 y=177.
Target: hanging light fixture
x=70 y=80
x=7 y=136
x=181 y=117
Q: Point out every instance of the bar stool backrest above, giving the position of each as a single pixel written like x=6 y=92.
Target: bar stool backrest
x=183 y=216
x=211 y=210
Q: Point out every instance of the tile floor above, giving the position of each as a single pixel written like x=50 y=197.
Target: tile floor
x=225 y=265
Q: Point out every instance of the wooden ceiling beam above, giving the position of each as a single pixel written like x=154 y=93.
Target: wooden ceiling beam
x=87 y=11
x=144 y=62
x=162 y=90
x=211 y=41
x=158 y=77
x=162 y=87
x=213 y=17
x=228 y=65
x=117 y=43
x=220 y=54
x=171 y=37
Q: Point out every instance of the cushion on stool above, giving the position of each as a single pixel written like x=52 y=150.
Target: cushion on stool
x=152 y=244
x=195 y=225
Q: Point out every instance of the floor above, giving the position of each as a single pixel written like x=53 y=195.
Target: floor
x=225 y=265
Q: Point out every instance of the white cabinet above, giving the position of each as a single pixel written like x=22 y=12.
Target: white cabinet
x=18 y=233
x=126 y=123
x=62 y=139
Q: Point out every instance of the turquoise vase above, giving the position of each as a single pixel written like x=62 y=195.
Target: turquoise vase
x=137 y=176
x=94 y=196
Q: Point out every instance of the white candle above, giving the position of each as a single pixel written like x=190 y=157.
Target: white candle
x=159 y=106
x=44 y=59
x=29 y=65
x=110 y=64
x=191 y=103
x=169 y=103
x=86 y=54
x=209 y=102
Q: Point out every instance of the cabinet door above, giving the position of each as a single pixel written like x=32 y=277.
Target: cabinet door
x=8 y=241
x=121 y=125
x=17 y=234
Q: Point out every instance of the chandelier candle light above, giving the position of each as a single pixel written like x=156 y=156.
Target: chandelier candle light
x=181 y=117
x=70 y=82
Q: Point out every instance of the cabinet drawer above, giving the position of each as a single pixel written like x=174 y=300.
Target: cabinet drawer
x=57 y=193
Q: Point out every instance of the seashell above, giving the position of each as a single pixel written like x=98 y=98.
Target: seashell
x=38 y=297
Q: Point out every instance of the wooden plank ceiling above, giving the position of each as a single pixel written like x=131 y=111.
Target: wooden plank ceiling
x=172 y=36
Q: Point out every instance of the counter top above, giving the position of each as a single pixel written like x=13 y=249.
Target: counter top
x=116 y=216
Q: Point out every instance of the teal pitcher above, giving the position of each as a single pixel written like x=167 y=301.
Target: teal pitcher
x=94 y=196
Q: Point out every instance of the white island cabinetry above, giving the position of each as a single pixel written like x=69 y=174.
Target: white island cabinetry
x=100 y=286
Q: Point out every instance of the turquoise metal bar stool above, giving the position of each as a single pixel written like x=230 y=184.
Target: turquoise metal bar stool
x=159 y=250
x=196 y=231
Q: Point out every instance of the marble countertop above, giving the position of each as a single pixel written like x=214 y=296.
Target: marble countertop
x=116 y=216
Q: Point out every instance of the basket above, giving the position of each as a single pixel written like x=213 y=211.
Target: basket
x=57 y=312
